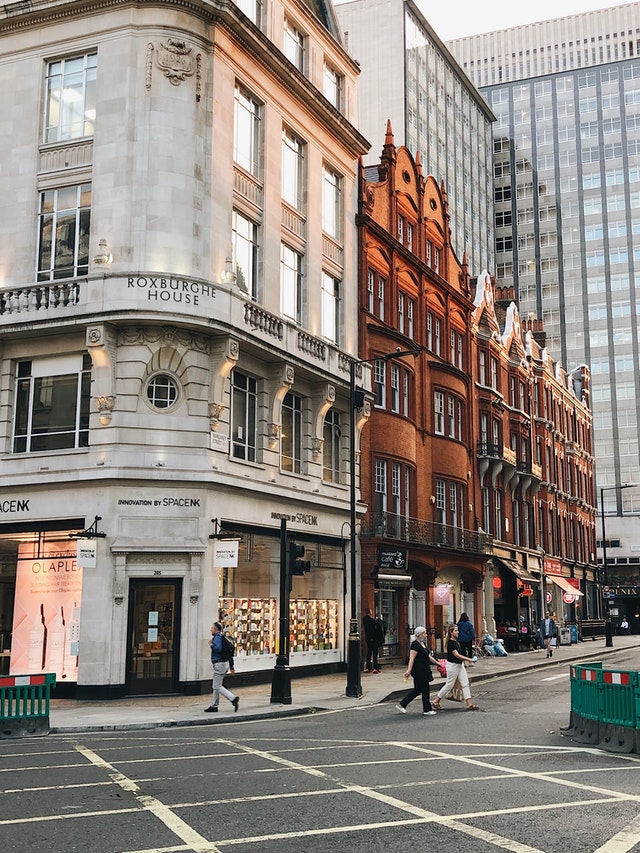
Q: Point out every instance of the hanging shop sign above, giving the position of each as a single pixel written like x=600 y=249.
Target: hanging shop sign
x=225 y=554
x=442 y=594
x=87 y=553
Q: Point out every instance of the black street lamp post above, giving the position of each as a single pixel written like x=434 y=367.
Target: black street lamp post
x=354 y=684
x=608 y=633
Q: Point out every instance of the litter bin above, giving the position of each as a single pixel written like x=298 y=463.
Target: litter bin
x=564 y=637
x=573 y=629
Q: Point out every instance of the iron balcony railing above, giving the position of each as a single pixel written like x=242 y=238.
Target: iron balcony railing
x=417 y=531
x=488 y=448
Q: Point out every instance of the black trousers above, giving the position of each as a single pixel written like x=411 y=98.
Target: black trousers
x=372 y=655
x=420 y=688
x=467 y=648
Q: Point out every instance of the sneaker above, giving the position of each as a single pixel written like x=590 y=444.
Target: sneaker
x=401 y=708
x=428 y=713
x=235 y=702
x=211 y=709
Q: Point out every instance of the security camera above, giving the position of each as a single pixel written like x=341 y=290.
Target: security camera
x=398 y=349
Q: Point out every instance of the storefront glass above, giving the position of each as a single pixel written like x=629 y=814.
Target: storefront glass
x=386 y=605
x=40 y=596
x=248 y=598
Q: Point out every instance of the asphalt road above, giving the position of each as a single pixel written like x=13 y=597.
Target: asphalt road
x=367 y=779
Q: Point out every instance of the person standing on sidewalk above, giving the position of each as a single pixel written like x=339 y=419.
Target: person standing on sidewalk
x=419 y=666
x=222 y=664
x=455 y=671
x=466 y=635
x=548 y=631
x=374 y=638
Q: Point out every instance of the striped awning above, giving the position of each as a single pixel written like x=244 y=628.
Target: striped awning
x=564 y=584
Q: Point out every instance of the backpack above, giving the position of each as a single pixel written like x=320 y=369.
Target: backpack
x=228 y=648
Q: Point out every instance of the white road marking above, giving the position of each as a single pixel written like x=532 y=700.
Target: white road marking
x=621 y=842
x=564 y=675
x=428 y=816
x=624 y=840
x=510 y=771
x=179 y=827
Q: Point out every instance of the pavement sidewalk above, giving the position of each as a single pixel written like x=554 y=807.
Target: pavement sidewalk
x=323 y=692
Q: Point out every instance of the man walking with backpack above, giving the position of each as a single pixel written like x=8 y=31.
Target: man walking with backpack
x=222 y=659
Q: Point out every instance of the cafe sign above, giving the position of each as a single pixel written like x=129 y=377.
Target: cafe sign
x=392 y=558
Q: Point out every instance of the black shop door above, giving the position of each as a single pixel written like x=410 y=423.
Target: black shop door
x=153 y=637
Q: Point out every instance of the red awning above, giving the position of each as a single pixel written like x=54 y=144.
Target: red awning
x=564 y=584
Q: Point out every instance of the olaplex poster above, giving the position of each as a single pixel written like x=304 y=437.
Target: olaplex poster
x=46 y=619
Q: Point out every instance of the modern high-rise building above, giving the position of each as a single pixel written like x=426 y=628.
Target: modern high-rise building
x=566 y=149
x=408 y=76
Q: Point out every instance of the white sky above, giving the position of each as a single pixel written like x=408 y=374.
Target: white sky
x=457 y=18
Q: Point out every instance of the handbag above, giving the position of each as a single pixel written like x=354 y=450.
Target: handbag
x=442 y=667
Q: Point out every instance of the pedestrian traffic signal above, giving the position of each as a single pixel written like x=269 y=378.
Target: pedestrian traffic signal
x=298 y=566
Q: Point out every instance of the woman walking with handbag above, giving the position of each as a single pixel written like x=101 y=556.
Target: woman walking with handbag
x=419 y=666
x=455 y=671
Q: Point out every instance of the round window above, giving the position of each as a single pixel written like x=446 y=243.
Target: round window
x=162 y=391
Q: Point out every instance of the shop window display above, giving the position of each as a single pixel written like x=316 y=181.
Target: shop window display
x=248 y=598
x=40 y=594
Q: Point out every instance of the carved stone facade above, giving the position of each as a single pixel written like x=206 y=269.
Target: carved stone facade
x=178 y=370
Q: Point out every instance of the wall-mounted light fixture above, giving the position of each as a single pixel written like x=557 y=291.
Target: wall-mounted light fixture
x=274 y=433
x=104 y=256
x=105 y=406
x=228 y=275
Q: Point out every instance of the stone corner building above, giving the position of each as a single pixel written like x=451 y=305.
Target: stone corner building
x=177 y=316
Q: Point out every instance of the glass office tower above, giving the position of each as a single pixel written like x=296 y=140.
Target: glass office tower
x=408 y=76
x=566 y=165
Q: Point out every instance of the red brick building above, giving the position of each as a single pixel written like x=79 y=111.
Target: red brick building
x=535 y=469
x=422 y=556
x=476 y=463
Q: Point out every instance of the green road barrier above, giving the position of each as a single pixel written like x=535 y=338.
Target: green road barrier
x=605 y=708
x=24 y=705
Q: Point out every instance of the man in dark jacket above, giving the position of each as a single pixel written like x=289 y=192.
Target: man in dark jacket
x=374 y=638
x=548 y=631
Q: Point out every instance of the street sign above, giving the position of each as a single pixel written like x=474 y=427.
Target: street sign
x=606 y=589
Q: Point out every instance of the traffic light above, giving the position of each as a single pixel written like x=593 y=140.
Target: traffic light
x=298 y=566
